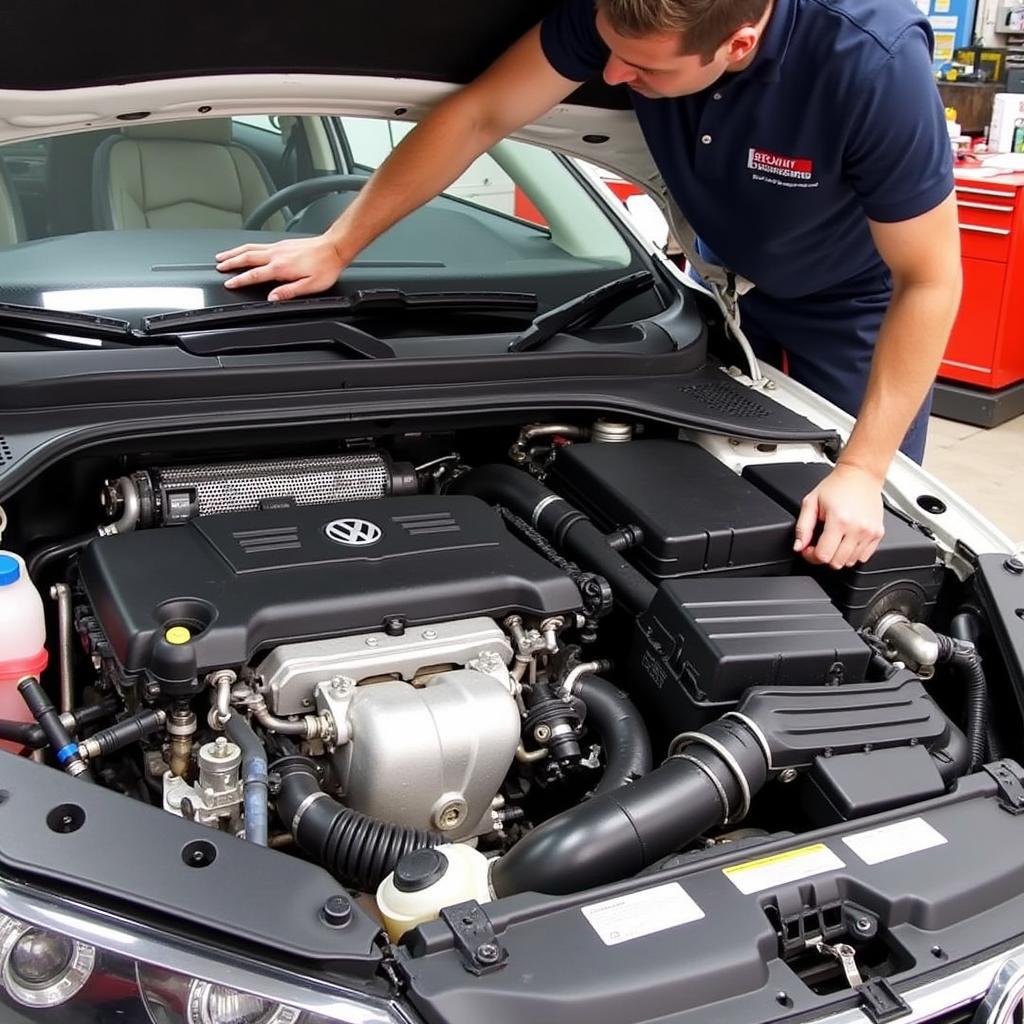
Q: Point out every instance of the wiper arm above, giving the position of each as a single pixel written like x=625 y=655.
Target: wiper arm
x=265 y=337
x=383 y=300
x=58 y=320
x=583 y=310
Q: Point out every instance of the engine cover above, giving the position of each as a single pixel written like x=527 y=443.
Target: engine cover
x=243 y=582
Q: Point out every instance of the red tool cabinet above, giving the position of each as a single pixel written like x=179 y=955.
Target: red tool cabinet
x=982 y=374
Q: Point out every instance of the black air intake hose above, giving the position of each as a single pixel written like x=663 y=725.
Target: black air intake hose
x=617 y=834
x=358 y=850
x=960 y=652
x=568 y=528
x=624 y=737
x=714 y=774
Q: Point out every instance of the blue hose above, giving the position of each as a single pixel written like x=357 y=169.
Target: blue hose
x=255 y=791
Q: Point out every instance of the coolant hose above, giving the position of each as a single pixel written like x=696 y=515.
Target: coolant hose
x=31 y=735
x=40 y=560
x=65 y=749
x=959 y=651
x=254 y=777
x=624 y=737
x=618 y=833
x=568 y=528
x=358 y=850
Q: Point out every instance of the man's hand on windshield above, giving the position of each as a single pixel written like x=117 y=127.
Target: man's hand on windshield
x=305 y=266
x=849 y=503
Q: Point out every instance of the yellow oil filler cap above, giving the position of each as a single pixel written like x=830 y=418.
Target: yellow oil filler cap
x=178 y=635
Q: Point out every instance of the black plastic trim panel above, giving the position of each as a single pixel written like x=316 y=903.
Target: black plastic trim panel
x=45 y=420
x=132 y=853
x=939 y=907
x=1000 y=588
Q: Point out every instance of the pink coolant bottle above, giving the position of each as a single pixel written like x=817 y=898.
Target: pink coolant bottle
x=22 y=638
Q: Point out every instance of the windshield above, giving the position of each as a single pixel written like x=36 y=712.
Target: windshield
x=126 y=222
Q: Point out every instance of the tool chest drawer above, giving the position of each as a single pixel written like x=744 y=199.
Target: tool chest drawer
x=987 y=345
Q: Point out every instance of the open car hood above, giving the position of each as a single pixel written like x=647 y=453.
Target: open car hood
x=113 y=63
x=117 y=43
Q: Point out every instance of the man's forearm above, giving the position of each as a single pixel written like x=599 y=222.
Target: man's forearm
x=424 y=164
x=907 y=357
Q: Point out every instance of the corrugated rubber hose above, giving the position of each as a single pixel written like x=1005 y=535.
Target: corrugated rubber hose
x=358 y=850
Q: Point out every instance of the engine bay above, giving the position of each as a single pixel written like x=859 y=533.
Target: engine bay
x=538 y=657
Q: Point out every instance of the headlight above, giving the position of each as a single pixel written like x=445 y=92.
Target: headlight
x=87 y=968
x=171 y=997
x=41 y=968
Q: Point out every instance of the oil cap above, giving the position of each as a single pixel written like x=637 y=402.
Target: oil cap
x=420 y=869
x=10 y=570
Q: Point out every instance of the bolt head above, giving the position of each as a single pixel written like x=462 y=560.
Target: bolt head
x=337 y=911
x=487 y=953
x=372 y=641
x=788 y=775
x=863 y=924
x=430 y=634
x=1015 y=564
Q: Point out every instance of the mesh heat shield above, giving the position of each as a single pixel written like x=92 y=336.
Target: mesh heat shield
x=235 y=486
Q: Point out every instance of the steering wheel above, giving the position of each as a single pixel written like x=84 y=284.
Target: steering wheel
x=301 y=194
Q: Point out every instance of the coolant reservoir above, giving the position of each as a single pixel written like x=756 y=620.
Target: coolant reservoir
x=22 y=638
x=426 y=881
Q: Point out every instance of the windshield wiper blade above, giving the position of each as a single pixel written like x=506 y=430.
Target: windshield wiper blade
x=583 y=310
x=368 y=301
x=270 y=337
x=63 y=321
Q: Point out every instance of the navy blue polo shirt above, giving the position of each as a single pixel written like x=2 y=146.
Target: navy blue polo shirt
x=779 y=167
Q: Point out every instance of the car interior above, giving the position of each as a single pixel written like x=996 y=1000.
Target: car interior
x=148 y=205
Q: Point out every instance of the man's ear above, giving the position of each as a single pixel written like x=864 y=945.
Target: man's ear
x=741 y=43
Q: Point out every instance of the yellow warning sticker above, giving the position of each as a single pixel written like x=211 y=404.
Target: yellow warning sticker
x=782 y=868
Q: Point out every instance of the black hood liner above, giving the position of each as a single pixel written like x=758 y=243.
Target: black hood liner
x=63 y=44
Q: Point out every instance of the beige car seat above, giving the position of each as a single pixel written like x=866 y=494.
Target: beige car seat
x=179 y=175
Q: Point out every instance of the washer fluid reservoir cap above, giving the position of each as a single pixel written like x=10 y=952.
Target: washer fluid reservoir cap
x=178 y=635
x=10 y=570
x=420 y=869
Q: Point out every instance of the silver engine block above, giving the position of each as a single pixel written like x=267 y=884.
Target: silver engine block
x=425 y=725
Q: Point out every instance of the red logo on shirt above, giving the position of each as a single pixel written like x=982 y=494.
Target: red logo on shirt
x=793 y=167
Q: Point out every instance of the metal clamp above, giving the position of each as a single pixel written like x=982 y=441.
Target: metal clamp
x=685 y=739
x=847 y=957
x=475 y=940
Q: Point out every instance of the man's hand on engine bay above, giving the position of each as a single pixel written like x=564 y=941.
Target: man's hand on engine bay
x=849 y=503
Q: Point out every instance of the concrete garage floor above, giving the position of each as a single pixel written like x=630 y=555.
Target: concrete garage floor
x=984 y=467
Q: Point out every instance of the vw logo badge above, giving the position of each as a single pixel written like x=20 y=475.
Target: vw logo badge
x=355 y=533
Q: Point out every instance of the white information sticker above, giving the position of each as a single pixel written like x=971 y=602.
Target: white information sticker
x=791 y=866
x=892 y=841
x=642 y=913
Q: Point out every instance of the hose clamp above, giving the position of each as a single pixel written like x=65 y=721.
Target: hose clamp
x=685 y=739
x=758 y=735
x=712 y=777
x=541 y=505
x=303 y=807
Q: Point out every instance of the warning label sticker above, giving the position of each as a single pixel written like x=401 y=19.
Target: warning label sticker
x=642 y=913
x=791 y=866
x=892 y=841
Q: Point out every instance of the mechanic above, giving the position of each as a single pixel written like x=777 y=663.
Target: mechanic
x=805 y=142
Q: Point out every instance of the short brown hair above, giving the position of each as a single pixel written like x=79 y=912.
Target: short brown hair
x=703 y=24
